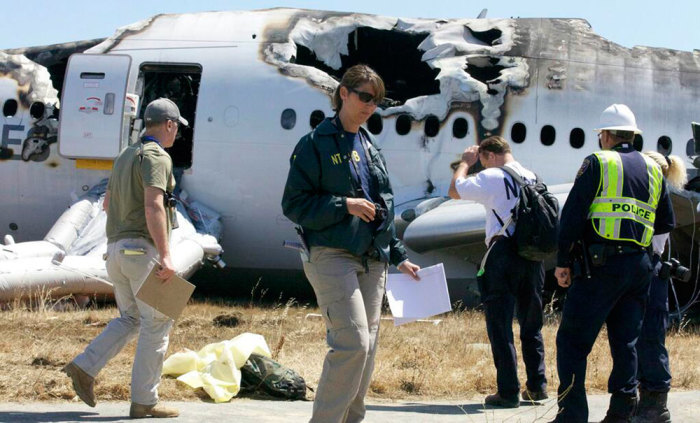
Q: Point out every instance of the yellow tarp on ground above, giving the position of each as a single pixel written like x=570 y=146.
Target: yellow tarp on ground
x=216 y=367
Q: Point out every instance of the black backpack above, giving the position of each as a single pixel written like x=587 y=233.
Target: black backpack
x=536 y=217
x=267 y=375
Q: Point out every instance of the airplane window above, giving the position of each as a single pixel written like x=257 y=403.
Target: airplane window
x=403 y=124
x=375 y=124
x=577 y=137
x=317 y=117
x=10 y=108
x=548 y=134
x=638 y=142
x=288 y=119
x=518 y=132
x=460 y=127
x=664 y=145
x=37 y=110
x=690 y=148
x=432 y=126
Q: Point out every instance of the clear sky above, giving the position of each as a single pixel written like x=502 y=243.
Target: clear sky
x=656 y=23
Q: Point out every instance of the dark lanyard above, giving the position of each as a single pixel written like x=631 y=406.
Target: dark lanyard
x=146 y=139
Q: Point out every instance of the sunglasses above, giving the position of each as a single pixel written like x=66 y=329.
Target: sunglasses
x=363 y=96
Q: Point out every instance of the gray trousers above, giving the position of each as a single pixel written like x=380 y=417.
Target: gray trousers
x=127 y=272
x=350 y=300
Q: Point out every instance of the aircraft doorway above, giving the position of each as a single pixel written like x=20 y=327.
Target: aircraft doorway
x=179 y=83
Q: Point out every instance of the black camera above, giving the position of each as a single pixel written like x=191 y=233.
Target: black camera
x=380 y=212
x=674 y=269
x=170 y=200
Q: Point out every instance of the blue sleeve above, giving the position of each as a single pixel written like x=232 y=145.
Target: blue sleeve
x=575 y=212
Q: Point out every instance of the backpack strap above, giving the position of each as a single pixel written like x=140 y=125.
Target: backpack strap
x=503 y=230
x=516 y=177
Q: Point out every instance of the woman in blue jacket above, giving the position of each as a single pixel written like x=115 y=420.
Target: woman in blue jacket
x=338 y=191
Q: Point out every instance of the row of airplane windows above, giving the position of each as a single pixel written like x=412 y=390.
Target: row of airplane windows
x=460 y=128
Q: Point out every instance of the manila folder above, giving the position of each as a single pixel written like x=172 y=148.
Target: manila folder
x=170 y=299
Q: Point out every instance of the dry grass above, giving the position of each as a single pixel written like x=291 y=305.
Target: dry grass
x=451 y=360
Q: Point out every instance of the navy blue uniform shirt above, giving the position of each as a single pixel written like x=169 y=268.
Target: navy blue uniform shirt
x=359 y=168
x=359 y=158
x=575 y=224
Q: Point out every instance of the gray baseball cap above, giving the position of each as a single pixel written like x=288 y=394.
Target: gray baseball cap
x=161 y=110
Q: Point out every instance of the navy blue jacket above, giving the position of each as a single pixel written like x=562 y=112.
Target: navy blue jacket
x=575 y=224
x=320 y=181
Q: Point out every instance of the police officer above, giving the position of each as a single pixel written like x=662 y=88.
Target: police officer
x=617 y=203
x=338 y=191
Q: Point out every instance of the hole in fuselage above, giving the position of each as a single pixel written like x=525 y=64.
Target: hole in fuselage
x=489 y=37
x=394 y=55
x=483 y=68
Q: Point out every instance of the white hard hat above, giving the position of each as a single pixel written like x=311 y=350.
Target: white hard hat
x=618 y=117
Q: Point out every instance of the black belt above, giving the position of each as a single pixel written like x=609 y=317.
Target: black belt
x=372 y=252
x=617 y=249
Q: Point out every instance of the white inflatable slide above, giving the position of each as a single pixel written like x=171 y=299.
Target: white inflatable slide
x=69 y=260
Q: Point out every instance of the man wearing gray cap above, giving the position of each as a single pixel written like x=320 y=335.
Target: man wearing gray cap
x=139 y=221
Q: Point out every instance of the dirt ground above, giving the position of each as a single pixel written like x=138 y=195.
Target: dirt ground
x=419 y=361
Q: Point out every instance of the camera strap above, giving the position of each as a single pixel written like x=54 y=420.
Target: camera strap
x=145 y=140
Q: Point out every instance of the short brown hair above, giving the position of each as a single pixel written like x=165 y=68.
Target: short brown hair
x=356 y=76
x=494 y=144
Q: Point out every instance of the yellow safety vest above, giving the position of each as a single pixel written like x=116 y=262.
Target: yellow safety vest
x=610 y=208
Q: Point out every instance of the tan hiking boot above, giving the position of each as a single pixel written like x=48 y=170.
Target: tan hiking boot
x=138 y=411
x=83 y=383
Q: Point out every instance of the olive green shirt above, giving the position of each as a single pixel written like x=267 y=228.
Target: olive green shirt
x=137 y=167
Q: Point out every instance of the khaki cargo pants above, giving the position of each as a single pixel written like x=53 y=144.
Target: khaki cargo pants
x=350 y=300
x=127 y=271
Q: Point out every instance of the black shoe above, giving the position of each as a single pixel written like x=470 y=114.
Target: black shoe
x=533 y=396
x=652 y=408
x=621 y=408
x=497 y=400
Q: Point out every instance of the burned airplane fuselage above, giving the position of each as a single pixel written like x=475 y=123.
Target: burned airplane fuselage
x=255 y=82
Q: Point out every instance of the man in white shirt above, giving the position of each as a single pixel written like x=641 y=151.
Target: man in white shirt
x=508 y=280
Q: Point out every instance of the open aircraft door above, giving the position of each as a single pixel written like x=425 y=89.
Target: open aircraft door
x=92 y=118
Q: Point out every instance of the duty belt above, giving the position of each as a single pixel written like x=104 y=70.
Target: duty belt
x=600 y=252
x=616 y=249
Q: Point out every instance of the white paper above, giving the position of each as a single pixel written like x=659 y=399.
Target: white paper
x=410 y=300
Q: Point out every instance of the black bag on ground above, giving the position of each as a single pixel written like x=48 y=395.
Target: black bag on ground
x=536 y=217
x=264 y=374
